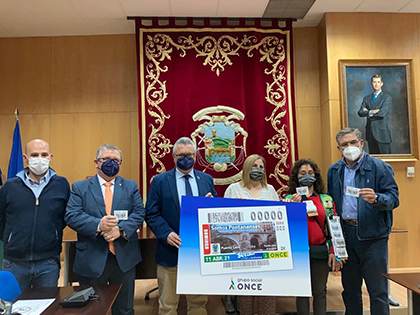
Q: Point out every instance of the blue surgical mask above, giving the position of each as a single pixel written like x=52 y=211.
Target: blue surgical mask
x=110 y=168
x=185 y=163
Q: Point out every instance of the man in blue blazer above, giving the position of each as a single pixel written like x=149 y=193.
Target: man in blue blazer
x=106 y=210
x=162 y=216
x=376 y=107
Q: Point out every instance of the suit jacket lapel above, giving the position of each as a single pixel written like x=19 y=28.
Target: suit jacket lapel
x=378 y=100
x=96 y=191
x=174 y=190
x=200 y=184
x=117 y=193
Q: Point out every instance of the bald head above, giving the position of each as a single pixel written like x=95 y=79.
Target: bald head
x=37 y=148
x=37 y=143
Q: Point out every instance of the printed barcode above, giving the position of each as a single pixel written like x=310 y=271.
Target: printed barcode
x=221 y=217
x=239 y=264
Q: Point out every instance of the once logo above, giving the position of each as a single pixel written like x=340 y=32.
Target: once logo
x=249 y=286
x=232 y=284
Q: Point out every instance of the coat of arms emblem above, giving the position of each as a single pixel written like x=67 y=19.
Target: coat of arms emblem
x=220 y=141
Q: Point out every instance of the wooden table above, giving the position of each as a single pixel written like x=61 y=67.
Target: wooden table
x=107 y=295
x=411 y=282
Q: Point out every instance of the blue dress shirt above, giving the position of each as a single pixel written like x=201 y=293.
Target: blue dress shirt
x=350 y=202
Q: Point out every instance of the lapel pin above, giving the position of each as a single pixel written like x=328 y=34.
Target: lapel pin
x=198 y=177
x=120 y=184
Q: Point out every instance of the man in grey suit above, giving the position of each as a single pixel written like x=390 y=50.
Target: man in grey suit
x=106 y=210
x=376 y=108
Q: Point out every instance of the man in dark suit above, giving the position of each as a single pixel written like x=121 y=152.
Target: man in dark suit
x=376 y=108
x=106 y=210
x=162 y=216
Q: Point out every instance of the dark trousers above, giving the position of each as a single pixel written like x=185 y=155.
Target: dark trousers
x=319 y=276
x=368 y=260
x=112 y=274
x=376 y=147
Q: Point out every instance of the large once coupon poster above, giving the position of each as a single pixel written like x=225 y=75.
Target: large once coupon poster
x=244 y=239
x=243 y=247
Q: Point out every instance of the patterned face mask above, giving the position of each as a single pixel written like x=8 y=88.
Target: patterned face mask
x=256 y=174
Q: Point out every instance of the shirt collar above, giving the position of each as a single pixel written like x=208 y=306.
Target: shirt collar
x=42 y=180
x=103 y=181
x=179 y=174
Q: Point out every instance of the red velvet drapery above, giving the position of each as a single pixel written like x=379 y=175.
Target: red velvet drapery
x=229 y=88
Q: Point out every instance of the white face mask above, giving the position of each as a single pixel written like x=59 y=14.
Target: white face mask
x=38 y=166
x=352 y=153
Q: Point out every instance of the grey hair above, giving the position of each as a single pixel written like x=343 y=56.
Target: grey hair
x=348 y=130
x=184 y=141
x=109 y=147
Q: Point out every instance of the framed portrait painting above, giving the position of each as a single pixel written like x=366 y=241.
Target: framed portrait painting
x=376 y=98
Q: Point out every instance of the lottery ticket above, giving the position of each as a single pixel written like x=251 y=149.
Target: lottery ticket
x=244 y=239
x=302 y=190
x=121 y=214
x=352 y=191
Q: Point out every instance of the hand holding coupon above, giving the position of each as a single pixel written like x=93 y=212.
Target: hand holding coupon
x=298 y=197
x=368 y=194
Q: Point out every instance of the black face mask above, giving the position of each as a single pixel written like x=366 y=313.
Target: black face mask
x=256 y=174
x=307 y=180
x=110 y=168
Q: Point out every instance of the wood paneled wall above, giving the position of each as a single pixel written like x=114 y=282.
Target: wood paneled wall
x=373 y=36
x=76 y=93
x=308 y=110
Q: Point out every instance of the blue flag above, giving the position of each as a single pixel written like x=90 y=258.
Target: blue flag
x=16 y=158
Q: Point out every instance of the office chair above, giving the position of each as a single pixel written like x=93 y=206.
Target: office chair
x=9 y=287
x=147 y=296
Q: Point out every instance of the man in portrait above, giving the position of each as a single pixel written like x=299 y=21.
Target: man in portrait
x=376 y=107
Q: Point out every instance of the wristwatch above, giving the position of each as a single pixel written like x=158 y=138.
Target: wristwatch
x=376 y=199
x=123 y=234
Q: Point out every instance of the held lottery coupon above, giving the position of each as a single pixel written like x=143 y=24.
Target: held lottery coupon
x=244 y=239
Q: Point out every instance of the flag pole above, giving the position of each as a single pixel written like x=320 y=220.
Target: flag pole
x=16 y=157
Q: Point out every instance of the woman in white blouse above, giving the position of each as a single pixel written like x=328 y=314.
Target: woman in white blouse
x=254 y=186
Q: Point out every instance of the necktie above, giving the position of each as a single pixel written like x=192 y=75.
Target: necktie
x=108 y=207
x=375 y=96
x=188 y=190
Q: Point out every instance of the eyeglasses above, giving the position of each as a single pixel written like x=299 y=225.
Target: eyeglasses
x=309 y=173
x=180 y=156
x=103 y=160
x=346 y=144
